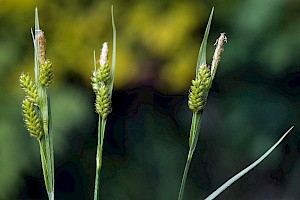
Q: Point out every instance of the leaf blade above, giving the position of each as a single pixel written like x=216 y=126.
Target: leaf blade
x=247 y=169
x=202 y=51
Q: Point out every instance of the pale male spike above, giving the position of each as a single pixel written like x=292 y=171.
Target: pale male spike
x=104 y=54
x=41 y=46
x=217 y=55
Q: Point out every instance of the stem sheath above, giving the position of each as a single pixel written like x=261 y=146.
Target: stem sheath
x=194 y=135
x=101 y=130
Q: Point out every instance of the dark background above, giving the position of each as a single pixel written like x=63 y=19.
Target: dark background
x=253 y=100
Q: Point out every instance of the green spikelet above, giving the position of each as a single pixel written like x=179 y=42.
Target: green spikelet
x=103 y=102
x=29 y=88
x=46 y=73
x=100 y=83
x=31 y=119
x=101 y=75
x=199 y=89
x=95 y=82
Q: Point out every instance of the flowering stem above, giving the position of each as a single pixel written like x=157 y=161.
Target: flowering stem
x=186 y=169
x=45 y=142
x=101 y=130
x=46 y=151
x=194 y=134
x=102 y=84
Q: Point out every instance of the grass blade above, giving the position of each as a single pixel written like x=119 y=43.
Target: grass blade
x=202 y=52
x=247 y=169
x=113 y=63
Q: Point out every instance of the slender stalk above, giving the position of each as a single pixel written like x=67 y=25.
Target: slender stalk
x=47 y=164
x=101 y=130
x=194 y=134
x=46 y=147
x=186 y=169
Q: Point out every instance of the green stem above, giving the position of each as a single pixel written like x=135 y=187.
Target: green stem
x=46 y=146
x=194 y=134
x=101 y=130
x=47 y=164
x=186 y=169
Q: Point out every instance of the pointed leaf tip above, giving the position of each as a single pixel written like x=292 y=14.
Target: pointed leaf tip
x=202 y=52
x=113 y=66
x=37 y=24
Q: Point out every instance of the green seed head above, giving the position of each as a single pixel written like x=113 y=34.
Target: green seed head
x=46 y=73
x=29 y=88
x=199 y=89
x=103 y=103
x=100 y=83
x=100 y=76
x=31 y=119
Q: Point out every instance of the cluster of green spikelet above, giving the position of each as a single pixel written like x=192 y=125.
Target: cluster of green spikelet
x=199 y=89
x=100 y=83
x=31 y=104
x=204 y=77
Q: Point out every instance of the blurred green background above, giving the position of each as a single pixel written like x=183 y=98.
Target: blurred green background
x=253 y=100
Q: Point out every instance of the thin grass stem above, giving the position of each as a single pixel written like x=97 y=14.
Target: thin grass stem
x=186 y=169
x=194 y=134
x=101 y=131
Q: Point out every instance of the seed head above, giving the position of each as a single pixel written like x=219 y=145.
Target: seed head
x=41 y=46
x=217 y=55
x=104 y=54
x=29 y=88
x=46 y=73
x=199 y=89
x=31 y=118
x=103 y=103
x=100 y=83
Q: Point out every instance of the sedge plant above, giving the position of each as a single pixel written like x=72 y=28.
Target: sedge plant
x=197 y=99
x=37 y=116
x=36 y=105
x=198 y=94
x=102 y=84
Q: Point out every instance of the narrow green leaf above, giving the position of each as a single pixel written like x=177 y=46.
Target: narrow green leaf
x=36 y=21
x=202 y=51
x=113 y=65
x=247 y=169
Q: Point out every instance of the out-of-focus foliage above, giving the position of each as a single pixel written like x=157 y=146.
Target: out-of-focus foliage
x=253 y=100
